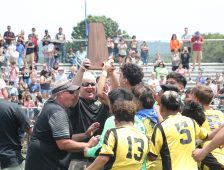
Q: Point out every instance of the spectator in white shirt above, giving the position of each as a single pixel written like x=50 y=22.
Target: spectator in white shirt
x=153 y=82
x=61 y=74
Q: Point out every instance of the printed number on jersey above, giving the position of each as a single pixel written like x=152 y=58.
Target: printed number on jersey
x=182 y=129
x=139 y=143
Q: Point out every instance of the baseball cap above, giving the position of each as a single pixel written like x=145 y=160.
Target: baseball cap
x=64 y=85
x=197 y=33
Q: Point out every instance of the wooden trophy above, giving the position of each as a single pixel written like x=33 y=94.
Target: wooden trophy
x=97 y=46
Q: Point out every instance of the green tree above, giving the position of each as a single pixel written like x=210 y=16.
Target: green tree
x=110 y=27
x=213 y=51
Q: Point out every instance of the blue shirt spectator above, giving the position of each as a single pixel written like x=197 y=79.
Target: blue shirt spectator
x=20 y=50
x=34 y=86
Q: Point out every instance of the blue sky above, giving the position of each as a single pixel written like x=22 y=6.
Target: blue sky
x=147 y=19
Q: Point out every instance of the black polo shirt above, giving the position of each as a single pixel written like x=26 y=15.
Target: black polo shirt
x=12 y=119
x=51 y=125
x=84 y=114
x=30 y=50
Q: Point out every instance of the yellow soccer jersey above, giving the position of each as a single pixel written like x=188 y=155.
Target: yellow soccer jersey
x=157 y=164
x=214 y=119
x=174 y=139
x=126 y=147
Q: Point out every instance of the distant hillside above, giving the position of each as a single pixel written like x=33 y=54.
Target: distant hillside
x=155 y=47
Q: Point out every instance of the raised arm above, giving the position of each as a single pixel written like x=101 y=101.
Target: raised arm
x=102 y=87
x=84 y=66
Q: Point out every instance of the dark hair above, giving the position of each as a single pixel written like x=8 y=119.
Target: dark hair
x=127 y=58
x=133 y=36
x=31 y=67
x=13 y=62
x=39 y=98
x=43 y=73
x=172 y=38
x=119 y=94
x=169 y=87
x=160 y=63
x=132 y=73
x=57 y=49
x=195 y=111
x=124 y=110
x=171 y=101
x=26 y=98
x=178 y=77
x=203 y=93
x=145 y=95
x=11 y=83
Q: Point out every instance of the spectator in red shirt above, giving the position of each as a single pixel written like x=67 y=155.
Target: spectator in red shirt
x=35 y=42
x=197 y=41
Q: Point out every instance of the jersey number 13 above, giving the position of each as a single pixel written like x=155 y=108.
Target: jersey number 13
x=140 y=143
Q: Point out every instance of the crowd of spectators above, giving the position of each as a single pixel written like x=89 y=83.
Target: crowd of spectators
x=18 y=58
x=31 y=88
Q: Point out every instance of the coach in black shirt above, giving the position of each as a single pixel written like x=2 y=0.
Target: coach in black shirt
x=51 y=138
x=12 y=120
x=90 y=107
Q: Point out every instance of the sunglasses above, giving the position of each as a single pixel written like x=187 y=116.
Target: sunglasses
x=87 y=84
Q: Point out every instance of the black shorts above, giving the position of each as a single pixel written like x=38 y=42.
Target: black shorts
x=174 y=68
x=186 y=66
x=36 y=49
x=189 y=50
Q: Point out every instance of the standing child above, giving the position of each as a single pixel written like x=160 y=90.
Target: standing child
x=185 y=56
x=14 y=73
x=124 y=147
x=56 y=55
x=175 y=61
x=20 y=50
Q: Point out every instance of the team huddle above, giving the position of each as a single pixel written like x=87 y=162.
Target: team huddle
x=117 y=122
x=173 y=127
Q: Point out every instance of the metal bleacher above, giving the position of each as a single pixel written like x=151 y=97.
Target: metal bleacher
x=209 y=70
